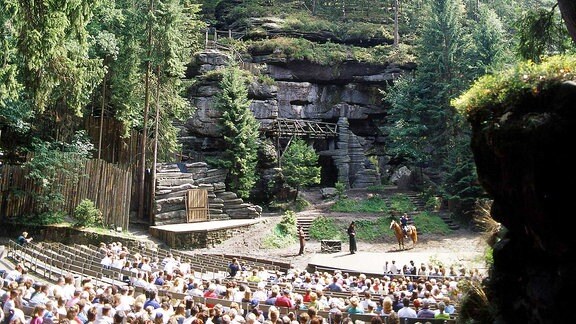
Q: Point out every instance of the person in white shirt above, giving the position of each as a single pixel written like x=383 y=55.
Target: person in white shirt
x=407 y=311
x=119 y=261
x=393 y=268
x=260 y=294
x=14 y=275
x=107 y=260
x=69 y=288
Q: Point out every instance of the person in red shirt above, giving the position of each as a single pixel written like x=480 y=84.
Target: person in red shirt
x=284 y=300
x=211 y=293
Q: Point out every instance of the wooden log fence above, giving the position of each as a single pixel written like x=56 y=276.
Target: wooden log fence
x=108 y=186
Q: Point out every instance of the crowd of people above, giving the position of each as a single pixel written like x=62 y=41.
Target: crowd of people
x=309 y=297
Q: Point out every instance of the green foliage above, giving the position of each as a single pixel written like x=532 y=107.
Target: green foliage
x=491 y=48
x=277 y=239
x=53 y=166
x=373 y=229
x=489 y=257
x=428 y=222
x=541 y=32
x=422 y=126
x=460 y=181
x=324 y=228
x=401 y=203
x=44 y=218
x=284 y=233
x=340 y=189
x=287 y=224
x=240 y=131
x=371 y=205
x=300 y=165
x=86 y=214
x=52 y=50
x=326 y=53
x=507 y=87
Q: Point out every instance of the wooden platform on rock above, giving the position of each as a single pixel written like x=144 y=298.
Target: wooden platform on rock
x=200 y=234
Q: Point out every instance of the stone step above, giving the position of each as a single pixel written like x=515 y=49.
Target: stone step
x=305 y=222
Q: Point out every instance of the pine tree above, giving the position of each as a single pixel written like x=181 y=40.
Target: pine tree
x=300 y=165
x=240 y=131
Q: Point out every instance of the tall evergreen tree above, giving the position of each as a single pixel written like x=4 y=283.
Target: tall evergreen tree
x=240 y=131
x=420 y=119
x=424 y=129
x=46 y=70
x=491 y=48
x=300 y=165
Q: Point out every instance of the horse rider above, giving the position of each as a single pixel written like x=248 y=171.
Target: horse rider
x=404 y=223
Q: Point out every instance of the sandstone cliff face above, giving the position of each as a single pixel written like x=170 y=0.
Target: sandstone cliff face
x=518 y=151
x=347 y=94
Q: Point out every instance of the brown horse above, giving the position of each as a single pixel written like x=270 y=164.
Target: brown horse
x=400 y=234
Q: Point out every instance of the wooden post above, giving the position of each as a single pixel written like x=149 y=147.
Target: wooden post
x=229 y=33
x=206 y=41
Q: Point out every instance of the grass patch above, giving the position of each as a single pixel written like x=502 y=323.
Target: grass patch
x=375 y=204
x=371 y=205
x=373 y=230
x=402 y=203
x=324 y=228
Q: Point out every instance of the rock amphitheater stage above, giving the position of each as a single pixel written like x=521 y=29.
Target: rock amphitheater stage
x=206 y=234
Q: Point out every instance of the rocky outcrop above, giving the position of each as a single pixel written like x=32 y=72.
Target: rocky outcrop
x=173 y=182
x=516 y=148
x=349 y=93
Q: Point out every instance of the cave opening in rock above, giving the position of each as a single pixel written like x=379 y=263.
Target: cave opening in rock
x=328 y=173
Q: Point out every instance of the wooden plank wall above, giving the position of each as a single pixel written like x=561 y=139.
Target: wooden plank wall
x=108 y=186
x=116 y=147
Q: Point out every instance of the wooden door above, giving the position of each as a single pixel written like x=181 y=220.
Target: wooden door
x=197 y=205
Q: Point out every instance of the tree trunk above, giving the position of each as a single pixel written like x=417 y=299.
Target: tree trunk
x=396 y=33
x=142 y=175
x=156 y=126
x=102 y=108
x=568 y=10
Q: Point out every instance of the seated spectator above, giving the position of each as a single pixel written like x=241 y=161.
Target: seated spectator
x=151 y=301
x=425 y=312
x=14 y=275
x=284 y=300
x=233 y=268
x=40 y=296
x=354 y=306
x=254 y=276
x=441 y=311
x=334 y=285
x=23 y=239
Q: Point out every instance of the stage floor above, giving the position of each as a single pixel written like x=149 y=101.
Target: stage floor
x=205 y=226
x=374 y=262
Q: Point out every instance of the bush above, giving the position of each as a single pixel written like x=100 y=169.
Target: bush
x=284 y=233
x=324 y=228
x=86 y=214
